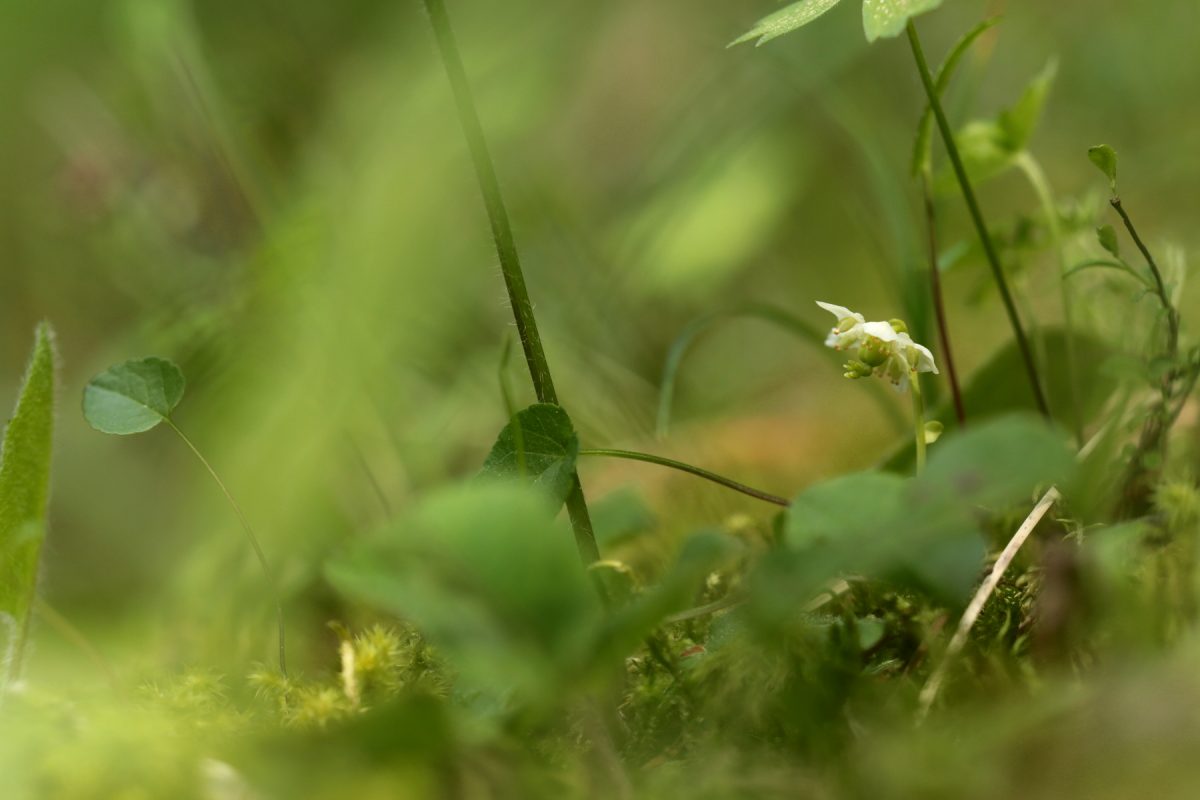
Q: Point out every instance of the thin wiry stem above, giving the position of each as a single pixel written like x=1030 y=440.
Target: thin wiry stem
x=506 y=249
x=699 y=472
x=939 y=305
x=1160 y=286
x=250 y=535
x=985 y=237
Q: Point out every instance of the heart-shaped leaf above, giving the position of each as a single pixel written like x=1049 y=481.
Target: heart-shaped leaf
x=884 y=18
x=539 y=445
x=785 y=20
x=24 y=488
x=133 y=397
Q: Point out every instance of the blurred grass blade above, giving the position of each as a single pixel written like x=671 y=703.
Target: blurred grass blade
x=923 y=146
x=785 y=320
x=785 y=20
x=24 y=490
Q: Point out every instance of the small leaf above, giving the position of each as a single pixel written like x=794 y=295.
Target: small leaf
x=991 y=146
x=1105 y=159
x=785 y=20
x=24 y=489
x=886 y=18
x=1020 y=121
x=1108 y=240
x=551 y=448
x=133 y=397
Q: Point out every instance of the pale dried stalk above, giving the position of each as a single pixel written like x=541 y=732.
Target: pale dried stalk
x=934 y=684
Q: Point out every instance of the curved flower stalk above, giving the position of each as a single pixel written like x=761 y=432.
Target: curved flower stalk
x=885 y=350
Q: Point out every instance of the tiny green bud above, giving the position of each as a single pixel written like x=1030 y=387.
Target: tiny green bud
x=857 y=369
x=898 y=325
x=933 y=431
x=1108 y=240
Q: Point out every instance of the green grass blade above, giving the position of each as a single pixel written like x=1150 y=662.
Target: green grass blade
x=24 y=490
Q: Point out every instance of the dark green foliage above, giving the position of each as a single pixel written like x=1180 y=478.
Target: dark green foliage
x=539 y=445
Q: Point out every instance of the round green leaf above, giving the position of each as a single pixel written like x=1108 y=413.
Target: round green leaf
x=134 y=396
x=540 y=445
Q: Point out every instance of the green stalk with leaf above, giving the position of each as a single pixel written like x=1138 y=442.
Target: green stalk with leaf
x=138 y=396
x=510 y=260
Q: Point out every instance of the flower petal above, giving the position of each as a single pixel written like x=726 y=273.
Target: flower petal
x=881 y=330
x=841 y=312
x=925 y=362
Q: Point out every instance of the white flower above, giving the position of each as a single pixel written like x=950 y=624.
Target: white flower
x=848 y=332
x=877 y=348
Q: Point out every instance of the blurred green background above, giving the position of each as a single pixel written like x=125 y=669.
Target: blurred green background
x=276 y=195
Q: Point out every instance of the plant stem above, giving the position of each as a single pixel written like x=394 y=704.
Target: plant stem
x=985 y=238
x=506 y=249
x=1160 y=287
x=918 y=401
x=699 y=472
x=939 y=306
x=1153 y=439
x=254 y=543
x=1036 y=176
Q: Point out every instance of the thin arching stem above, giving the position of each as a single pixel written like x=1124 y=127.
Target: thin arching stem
x=699 y=472
x=506 y=249
x=1160 y=286
x=985 y=237
x=250 y=535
